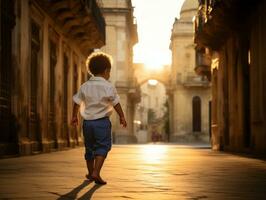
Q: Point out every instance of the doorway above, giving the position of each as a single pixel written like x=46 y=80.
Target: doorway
x=196 y=114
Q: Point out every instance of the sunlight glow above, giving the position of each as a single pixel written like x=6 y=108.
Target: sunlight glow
x=152 y=82
x=154 y=30
x=154 y=153
x=155 y=63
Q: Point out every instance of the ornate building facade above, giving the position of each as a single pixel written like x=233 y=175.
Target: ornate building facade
x=190 y=95
x=121 y=36
x=44 y=45
x=233 y=33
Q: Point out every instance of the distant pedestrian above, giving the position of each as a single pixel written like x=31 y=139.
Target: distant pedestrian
x=154 y=136
x=99 y=97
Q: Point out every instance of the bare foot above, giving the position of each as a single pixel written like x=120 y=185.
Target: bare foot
x=98 y=180
x=89 y=177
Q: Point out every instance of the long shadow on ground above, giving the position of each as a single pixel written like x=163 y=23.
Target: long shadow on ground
x=74 y=193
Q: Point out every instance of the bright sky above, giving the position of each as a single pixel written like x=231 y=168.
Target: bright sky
x=155 y=20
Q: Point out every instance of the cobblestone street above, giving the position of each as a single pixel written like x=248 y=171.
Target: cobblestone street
x=136 y=172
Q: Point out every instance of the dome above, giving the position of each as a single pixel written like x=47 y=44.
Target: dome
x=189 y=9
x=189 y=5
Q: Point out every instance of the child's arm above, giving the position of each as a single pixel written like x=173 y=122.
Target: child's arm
x=120 y=112
x=74 y=120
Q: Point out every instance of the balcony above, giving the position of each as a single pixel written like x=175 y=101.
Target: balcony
x=202 y=20
x=81 y=20
x=196 y=81
x=217 y=19
x=203 y=63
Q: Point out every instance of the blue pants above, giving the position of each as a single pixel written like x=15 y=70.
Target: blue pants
x=97 y=137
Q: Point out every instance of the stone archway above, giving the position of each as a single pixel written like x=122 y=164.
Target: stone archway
x=143 y=75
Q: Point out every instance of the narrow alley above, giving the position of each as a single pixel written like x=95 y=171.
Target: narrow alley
x=185 y=80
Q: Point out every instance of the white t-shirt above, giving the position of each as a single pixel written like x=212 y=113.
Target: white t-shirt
x=96 y=98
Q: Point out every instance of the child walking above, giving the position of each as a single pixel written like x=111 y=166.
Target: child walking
x=99 y=97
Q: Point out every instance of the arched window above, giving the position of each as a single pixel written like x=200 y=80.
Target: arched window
x=196 y=114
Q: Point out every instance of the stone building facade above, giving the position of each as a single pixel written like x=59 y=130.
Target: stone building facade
x=121 y=36
x=190 y=93
x=44 y=45
x=233 y=33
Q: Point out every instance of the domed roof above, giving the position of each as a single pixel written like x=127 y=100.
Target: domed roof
x=189 y=5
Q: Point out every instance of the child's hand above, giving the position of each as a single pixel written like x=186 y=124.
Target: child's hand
x=123 y=122
x=74 y=121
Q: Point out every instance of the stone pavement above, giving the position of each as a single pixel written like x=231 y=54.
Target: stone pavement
x=136 y=172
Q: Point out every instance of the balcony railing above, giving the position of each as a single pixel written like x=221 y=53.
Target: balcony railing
x=196 y=81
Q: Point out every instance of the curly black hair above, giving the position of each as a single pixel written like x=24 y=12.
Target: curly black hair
x=98 y=63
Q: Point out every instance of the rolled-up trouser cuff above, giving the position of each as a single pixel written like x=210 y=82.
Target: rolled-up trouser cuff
x=89 y=155
x=101 y=152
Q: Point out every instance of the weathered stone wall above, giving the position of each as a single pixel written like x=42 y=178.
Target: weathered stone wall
x=48 y=66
